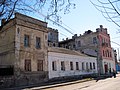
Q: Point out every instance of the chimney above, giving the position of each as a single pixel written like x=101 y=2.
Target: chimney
x=75 y=35
x=66 y=38
x=101 y=26
x=3 y=21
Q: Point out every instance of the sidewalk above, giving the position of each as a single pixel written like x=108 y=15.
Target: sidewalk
x=56 y=85
x=48 y=85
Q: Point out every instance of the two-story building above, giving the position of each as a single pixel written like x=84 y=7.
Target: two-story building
x=23 y=51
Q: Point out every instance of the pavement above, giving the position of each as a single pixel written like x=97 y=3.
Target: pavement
x=55 y=84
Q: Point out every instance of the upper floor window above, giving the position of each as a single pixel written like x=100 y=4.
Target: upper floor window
x=103 y=53
x=94 y=40
x=79 y=43
x=38 y=42
x=40 y=65
x=27 y=65
x=26 y=40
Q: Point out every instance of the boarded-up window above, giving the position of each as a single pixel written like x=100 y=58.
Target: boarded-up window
x=40 y=65
x=6 y=71
x=28 y=65
x=63 y=65
x=26 y=40
x=71 y=65
x=54 y=66
x=77 y=66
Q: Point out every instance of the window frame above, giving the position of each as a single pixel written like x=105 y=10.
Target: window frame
x=27 y=65
x=38 y=43
x=26 y=40
x=39 y=65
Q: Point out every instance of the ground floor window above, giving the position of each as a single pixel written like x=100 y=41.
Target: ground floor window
x=90 y=66
x=27 y=65
x=63 y=65
x=83 y=67
x=54 y=68
x=40 y=65
x=77 y=66
x=71 y=65
x=93 y=65
x=6 y=71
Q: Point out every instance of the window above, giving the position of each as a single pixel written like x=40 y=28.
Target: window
x=87 y=66
x=54 y=66
x=27 y=65
x=83 y=68
x=7 y=70
x=77 y=66
x=26 y=41
x=90 y=66
x=110 y=54
x=63 y=65
x=79 y=43
x=94 y=40
x=40 y=65
x=71 y=65
x=93 y=65
x=103 y=53
x=38 y=44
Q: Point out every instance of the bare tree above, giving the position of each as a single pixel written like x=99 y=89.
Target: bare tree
x=52 y=7
x=110 y=9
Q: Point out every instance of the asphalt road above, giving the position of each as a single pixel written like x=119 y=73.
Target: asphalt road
x=104 y=84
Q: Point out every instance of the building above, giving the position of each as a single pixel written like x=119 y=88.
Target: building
x=94 y=44
x=52 y=37
x=66 y=63
x=23 y=51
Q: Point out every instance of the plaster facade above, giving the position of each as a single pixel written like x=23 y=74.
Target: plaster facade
x=24 y=59
x=59 y=55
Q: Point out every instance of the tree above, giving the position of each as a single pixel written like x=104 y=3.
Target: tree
x=53 y=7
x=110 y=9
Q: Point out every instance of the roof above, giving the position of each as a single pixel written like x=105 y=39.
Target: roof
x=66 y=51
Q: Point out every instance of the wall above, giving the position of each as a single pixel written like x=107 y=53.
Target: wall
x=110 y=64
x=7 y=44
x=58 y=57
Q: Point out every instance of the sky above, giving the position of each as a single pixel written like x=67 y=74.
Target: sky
x=84 y=17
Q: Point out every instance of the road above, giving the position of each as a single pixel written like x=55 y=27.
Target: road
x=104 y=84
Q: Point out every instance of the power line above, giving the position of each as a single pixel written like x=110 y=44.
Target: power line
x=116 y=37
x=50 y=19
x=115 y=43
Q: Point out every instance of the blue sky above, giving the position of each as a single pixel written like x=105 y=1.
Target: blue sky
x=86 y=17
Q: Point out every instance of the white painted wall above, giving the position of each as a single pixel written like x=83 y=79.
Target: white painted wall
x=58 y=57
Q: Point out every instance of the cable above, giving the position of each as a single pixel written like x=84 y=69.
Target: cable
x=50 y=19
